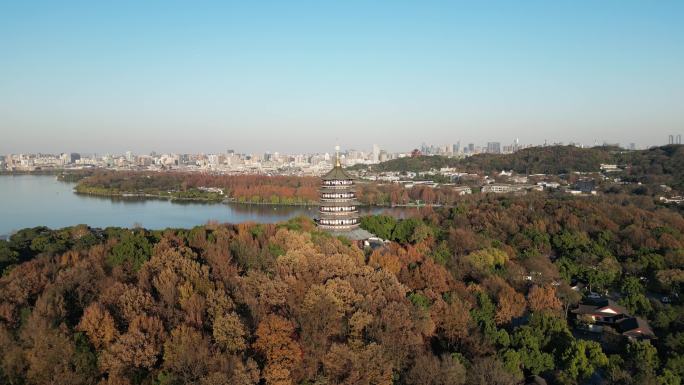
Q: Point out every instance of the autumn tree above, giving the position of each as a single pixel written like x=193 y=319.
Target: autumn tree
x=510 y=304
x=542 y=298
x=445 y=370
x=98 y=325
x=229 y=332
x=187 y=354
x=454 y=319
x=139 y=347
x=283 y=354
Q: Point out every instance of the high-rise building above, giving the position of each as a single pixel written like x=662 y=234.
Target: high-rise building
x=679 y=139
x=670 y=139
x=376 y=153
x=456 y=148
x=338 y=211
x=471 y=147
x=493 y=147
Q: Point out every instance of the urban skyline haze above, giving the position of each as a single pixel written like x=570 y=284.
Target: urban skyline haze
x=300 y=76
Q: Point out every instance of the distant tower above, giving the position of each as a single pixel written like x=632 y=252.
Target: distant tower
x=670 y=139
x=679 y=139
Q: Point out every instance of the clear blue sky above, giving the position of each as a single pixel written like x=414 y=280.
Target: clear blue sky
x=191 y=76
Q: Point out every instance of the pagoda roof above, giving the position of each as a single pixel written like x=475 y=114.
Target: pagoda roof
x=357 y=234
x=337 y=173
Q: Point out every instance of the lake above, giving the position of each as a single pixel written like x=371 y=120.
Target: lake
x=42 y=200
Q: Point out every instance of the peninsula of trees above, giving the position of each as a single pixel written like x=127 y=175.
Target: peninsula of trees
x=284 y=190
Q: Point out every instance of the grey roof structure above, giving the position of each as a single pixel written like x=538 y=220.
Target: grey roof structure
x=636 y=327
x=598 y=306
x=357 y=234
x=337 y=173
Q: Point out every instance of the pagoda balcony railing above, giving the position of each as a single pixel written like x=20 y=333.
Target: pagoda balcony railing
x=338 y=213
x=328 y=222
x=334 y=188
x=336 y=183
x=346 y=227
x=334 y=200
x=335 y=209
x=348 y=195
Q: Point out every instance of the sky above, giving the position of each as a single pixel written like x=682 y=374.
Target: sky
x=302 y=76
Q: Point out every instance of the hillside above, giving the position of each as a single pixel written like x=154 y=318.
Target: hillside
x=550 y=160
x=542 y=160
x=535 y=160
x=658 y=165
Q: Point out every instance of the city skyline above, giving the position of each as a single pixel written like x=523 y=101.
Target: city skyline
x=299 y=76
x=482 y=147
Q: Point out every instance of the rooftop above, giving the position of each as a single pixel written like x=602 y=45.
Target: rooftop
x=636 y=326
x=596 y=307
x=357 y=234
x=337 y=173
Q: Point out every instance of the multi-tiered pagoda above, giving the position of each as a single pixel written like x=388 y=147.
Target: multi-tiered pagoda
x=338 y=212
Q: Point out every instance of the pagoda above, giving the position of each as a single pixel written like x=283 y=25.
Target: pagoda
x=338 y=211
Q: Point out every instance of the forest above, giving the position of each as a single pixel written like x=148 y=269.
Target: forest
x=477 y=293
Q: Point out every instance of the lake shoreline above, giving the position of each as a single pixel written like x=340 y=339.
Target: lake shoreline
x=41 y=200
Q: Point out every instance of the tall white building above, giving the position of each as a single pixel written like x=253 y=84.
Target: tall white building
x=376 y=153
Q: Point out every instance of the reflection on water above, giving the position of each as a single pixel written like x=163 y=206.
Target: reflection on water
x=34 y=200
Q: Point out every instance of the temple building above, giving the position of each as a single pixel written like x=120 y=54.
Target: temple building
x=338 y=212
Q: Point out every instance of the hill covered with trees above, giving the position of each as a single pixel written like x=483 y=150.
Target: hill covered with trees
x=665 y=164
x=534 y=160
x=447 y=302
x=658 y=165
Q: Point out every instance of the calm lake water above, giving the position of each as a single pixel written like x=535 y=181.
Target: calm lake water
x=39 y=200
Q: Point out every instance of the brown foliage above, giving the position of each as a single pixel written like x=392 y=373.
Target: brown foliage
x=187 y=354
x=453 y=319
x=139 y=347
x=543 y=298
x=510 y=304
x=98 y=325
x=283 y=354
x=443 y=370
x=229 y=332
